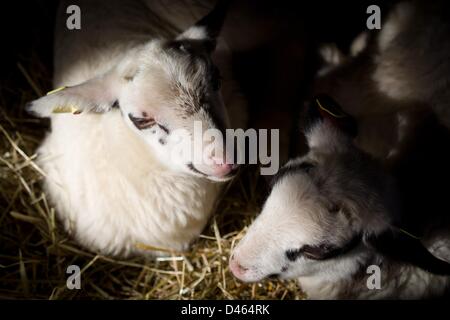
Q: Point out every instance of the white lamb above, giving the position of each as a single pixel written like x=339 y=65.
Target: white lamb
x=132 y=82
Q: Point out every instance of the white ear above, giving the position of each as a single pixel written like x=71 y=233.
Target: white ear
x=95 y=95
x=325 y=136
x=99 y=94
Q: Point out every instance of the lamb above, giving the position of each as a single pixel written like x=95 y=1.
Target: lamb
x=343 y=206
x=394 y=76
x=332 y=214
x=132 y=83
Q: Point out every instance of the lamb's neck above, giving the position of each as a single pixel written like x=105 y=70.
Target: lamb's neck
x=394 y=281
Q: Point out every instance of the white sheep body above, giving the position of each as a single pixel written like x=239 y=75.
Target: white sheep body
x=109 y=188
x=110 y=191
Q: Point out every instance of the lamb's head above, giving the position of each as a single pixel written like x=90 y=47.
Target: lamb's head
x=164 y=89
x=329 y=213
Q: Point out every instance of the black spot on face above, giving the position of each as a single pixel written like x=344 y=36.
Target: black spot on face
x=115 y=104
x=284 y=268
x=293 y=254
x=162 y=141
x=163 y=128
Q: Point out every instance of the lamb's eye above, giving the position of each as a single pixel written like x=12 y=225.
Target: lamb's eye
x=320 y=252
x=142 y=123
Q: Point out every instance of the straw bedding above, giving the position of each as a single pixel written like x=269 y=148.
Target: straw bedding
x=35 y=252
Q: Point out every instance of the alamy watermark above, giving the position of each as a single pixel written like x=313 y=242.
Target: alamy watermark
x=239 y=146
x=374 y=20
x=73 y=21
x=374 y=280
x=74 y=280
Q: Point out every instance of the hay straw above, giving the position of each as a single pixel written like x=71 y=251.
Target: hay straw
x=35 y=251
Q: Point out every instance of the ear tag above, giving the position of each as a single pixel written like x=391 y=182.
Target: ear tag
x=66 y=109
x=408 y=234
x=63 y=109
x=56 y=90
x=329 y=109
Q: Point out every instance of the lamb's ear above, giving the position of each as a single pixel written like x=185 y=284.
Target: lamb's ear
x=327 y=125
x=207 y=29
x=96 y=95
x=401 y=246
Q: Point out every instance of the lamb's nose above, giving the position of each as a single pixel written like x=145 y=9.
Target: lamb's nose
x=236 y=268
x=222 y=169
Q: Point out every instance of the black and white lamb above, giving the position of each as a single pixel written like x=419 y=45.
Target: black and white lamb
x=334 y=214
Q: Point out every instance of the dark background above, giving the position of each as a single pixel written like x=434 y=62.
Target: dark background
x=26 y=30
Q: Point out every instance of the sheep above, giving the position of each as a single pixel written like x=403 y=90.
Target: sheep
x=132 y=88
x=392 y=77
x=333 y=213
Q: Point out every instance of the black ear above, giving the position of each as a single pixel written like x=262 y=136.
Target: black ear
x=207 y=29
x=402 y=247
x=214 y=20
x=323 y=108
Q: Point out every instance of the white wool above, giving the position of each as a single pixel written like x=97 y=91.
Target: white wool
x=112 y=190
x=112 y=194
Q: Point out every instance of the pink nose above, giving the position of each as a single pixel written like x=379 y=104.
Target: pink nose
x=237 y=269
x=221 y=169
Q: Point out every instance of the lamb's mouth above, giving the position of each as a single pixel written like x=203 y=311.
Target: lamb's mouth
x=195 y=170
x=230 y=175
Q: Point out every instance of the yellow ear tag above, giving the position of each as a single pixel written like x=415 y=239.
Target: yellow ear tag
x=340 y=115
x=66 y=109
x=63 y=109
x=408 y=234
x=56 y=90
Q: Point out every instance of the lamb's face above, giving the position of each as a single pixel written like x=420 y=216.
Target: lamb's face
x=168 y=92
x=320 y=208
x=172 y=99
